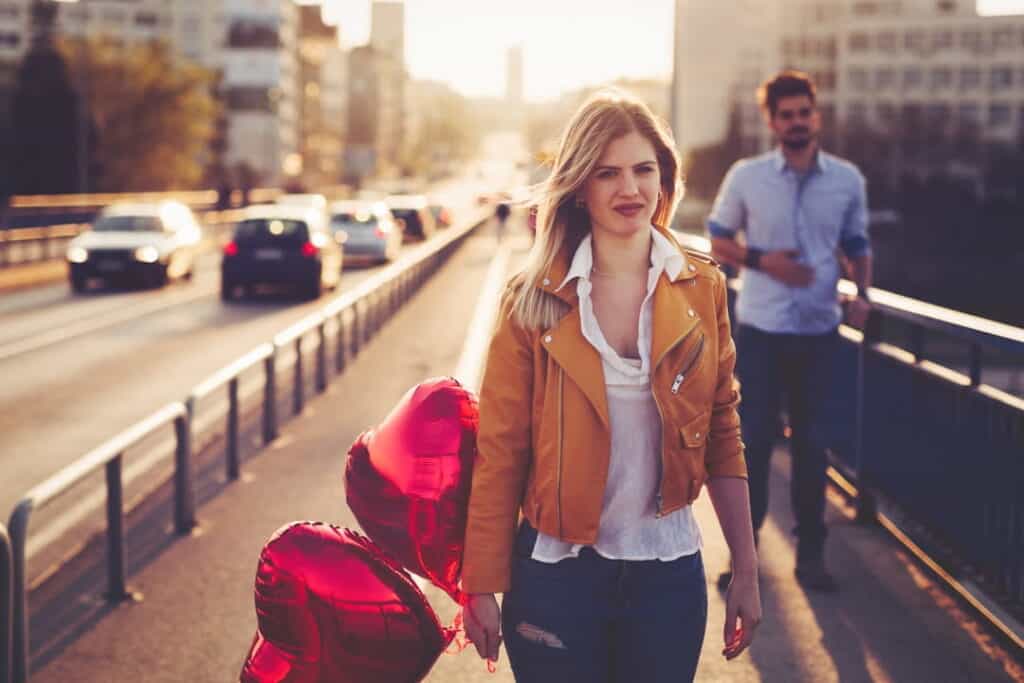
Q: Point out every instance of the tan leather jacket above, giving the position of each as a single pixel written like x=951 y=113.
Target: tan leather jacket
x=544 y=442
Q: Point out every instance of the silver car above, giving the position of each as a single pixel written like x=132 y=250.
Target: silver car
x=142 y=243
x=367 y=229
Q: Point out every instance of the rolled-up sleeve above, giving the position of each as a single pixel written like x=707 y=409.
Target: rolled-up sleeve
x=728 y=213
x=853 y=236
x=724 y=456
x=503 y=458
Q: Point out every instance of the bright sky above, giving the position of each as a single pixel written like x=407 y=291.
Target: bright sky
x=566 y=43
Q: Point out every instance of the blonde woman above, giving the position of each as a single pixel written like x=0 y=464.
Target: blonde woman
x=607 y=403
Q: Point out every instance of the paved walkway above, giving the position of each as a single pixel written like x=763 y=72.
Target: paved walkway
x=888 y=623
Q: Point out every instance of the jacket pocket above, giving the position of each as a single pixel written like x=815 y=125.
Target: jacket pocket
x=689 y=364
x=694 y=433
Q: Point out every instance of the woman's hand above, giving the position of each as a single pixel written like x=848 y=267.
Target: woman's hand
x=743 y=605
x=482 y=618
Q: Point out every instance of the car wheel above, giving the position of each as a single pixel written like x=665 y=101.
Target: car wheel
x=78 y=283
x=312 y=291
x=227 y=290
x=158 y=278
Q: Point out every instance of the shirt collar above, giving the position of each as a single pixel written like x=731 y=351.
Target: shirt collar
x=779 y=159
x=664 y=257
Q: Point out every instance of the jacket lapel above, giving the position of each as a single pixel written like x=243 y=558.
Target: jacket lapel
x=580 y=361
x=671 y=319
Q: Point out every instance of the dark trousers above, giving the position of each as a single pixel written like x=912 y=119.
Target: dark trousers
x=801 y=369
x=597 y=620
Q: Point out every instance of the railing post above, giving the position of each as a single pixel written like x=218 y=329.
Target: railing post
x=232 y=430
x=866 y=504
x=975 y=365
x=298 y=388
x=184 y=501
x=356 y=334
x=18 y=529
x=116 y=590
x=339 y=348
x=321 y=357
x=6 y=606
x=917 y=343
x=270 y=397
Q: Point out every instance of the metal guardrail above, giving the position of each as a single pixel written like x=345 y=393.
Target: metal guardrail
x=352 y=319
x=932 y=453
x=6 y=605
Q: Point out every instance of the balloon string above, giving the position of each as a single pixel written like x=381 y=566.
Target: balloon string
x=460 y=642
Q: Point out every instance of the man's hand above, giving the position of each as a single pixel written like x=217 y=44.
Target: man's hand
x=482 y=618
x=857 y=311
x=783 y=266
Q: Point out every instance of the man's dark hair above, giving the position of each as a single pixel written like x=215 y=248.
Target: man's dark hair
x=786 y=84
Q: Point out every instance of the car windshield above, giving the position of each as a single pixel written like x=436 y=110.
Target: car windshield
x=349 y=220
x=128 y=224
x=264 y=230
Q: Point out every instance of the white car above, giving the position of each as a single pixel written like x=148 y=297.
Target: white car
x=141 y=243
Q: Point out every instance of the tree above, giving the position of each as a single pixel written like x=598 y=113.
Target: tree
x=154 y=116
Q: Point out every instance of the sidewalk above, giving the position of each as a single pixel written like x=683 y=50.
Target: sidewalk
x=888 y=623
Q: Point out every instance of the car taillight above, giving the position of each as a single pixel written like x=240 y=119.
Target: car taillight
x=231 y=249
x=309 y=250
x=380 y=232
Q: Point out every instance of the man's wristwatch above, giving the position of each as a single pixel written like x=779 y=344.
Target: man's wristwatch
x=753 y=258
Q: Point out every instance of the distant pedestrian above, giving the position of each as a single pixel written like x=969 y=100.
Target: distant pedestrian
x=608 y=402
x=501 y=214
x=798 y=208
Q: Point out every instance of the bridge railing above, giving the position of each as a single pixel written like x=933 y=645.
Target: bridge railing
x=928 y=446
x=347 y=321
x=6 y=605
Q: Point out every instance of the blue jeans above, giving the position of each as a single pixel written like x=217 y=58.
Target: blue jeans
x=801 y=368
x=597 y=620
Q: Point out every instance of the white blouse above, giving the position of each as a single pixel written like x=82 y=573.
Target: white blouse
x=628 y=529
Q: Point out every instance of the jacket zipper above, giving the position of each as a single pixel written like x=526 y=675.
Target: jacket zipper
x=661 y=414
x=558 y=476
x=690 y=362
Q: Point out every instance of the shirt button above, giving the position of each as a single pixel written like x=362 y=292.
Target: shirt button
x=696 y=435
x=691 y=313
x=547 y=282
x=547 y=339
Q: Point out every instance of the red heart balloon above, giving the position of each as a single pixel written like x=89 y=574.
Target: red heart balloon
x=332 y=608
x=408 y=480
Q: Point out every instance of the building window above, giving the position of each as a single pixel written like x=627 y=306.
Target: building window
x=1000 y=77
x=915 y=41
x=885 y=78
x=941 y=78
x=9 y=11
x=113 y=16
x=1003 y=37
x=10 y=40
x=858 y=78
x=856 y=113
x=913 y=77
x=865 y=8
x=970 y=78
x=969 y=113
x=937 y=114
x=970 y=39
x=885 y=112
x=147 y=19
x=945 y=6
x=942 y=40
x=826 y=81
x=859 y=42
x=999 y=114
x=886 y=41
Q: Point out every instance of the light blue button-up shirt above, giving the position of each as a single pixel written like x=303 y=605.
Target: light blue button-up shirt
x=816 y=214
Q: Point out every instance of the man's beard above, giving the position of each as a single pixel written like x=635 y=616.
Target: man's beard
x=800 y=142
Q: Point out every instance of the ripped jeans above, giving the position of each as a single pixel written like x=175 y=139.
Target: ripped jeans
x=597 y=620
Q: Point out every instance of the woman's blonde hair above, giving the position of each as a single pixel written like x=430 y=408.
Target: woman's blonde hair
x=561 y=224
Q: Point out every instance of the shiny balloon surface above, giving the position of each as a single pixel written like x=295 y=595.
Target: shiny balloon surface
x=408 y=480
x=332 y=608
